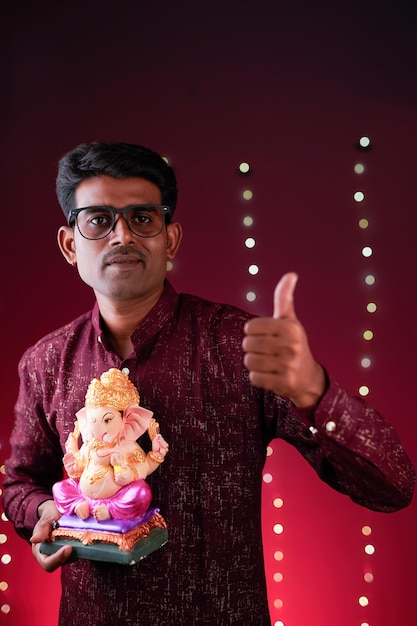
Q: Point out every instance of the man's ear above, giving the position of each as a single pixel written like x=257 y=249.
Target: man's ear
x=66 y=244
x=174 y=236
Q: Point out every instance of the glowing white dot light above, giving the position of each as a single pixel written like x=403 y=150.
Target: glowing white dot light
x=364 y=142
x=6 y=559
x=4 y=585
x=371 y=307
x=366 y=530
x=250 y=242
x=278 y=577
x=253 y=269
x=368 y=577
x=367 y=251
x=251 y=296
x=278 y=529
x=366 y=362
x=359 y=196
x=247 y=220
x=370 y=279
x=363 y=390
x=359 y=168
x=268 y=478
x=278 y=555
x=363 y=223
x=363 y=601
x=278 y=503
x=5 y=608
x=244 y=167
x=368 y=335
x=247 y=194
x=370 y=549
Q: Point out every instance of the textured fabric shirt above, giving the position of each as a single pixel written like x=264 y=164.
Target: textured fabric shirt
x=188 y=367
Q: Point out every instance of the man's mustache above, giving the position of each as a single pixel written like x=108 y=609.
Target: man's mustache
x=122 y=250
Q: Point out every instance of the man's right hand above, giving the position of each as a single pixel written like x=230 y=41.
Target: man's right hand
x=48 y=513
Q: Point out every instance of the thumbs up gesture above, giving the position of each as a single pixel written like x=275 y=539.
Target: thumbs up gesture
x=277 y=353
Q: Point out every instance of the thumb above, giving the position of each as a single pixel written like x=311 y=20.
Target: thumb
x=284 y=296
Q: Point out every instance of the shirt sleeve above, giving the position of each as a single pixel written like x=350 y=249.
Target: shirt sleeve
x=356 y=450
x=35 y=462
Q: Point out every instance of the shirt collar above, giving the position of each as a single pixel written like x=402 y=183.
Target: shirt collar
x=152 y=323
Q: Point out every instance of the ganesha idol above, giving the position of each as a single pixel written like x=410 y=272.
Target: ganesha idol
x=105 y=501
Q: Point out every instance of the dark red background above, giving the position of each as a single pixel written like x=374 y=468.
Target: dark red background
x=290 y=88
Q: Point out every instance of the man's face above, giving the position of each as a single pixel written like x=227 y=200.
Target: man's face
x=122 y=266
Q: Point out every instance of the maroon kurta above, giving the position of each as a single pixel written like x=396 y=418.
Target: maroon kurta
x=188 y=368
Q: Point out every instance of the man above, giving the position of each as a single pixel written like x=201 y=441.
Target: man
x=218 y=407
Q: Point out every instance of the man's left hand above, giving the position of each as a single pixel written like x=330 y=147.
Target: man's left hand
x=277 y=353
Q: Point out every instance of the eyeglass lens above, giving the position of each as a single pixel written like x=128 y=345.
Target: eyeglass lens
x=98 y=222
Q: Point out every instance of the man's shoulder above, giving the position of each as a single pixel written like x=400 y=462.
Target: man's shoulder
x=56 y=339
x=212 y=308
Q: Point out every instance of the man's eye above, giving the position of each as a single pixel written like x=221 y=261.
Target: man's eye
x=141 y=218
x=99 y=219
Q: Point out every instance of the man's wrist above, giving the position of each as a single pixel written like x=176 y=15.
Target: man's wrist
x=311 y=397
x=47 y=509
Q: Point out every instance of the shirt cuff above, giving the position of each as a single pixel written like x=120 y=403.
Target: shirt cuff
x=334 y=415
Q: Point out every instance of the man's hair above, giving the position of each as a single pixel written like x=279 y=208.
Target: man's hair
x=117 y=159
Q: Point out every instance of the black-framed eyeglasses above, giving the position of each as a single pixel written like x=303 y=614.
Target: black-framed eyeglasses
x=97 y=222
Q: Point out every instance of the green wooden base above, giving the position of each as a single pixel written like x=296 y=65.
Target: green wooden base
x=100 y=551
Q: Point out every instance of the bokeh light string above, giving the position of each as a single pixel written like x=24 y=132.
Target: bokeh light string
x=368 y=279
x=170 y=263
x=5 y=558
x=275 y=528
x=248 y=221
x=274 y=541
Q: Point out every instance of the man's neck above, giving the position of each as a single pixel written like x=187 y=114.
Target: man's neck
x=121 y=318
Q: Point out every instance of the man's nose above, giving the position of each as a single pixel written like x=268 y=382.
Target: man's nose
x=120 y=230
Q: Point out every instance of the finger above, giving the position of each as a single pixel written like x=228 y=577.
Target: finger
x=263 y=364
x=40 y=532
x=51 y=562
x=265 y=380
x=284 y=296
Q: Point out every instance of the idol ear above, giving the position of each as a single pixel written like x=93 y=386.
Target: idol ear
x=81 y=416
x=135 y=423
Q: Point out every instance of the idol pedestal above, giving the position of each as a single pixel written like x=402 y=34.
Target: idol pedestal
x=124 y=542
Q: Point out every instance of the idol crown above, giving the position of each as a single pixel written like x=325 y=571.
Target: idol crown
x=112 y=389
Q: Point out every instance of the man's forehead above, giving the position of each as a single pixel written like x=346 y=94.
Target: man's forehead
x=111 y=191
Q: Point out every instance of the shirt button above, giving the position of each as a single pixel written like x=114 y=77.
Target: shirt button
x=126 y=371
x=331 y=427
